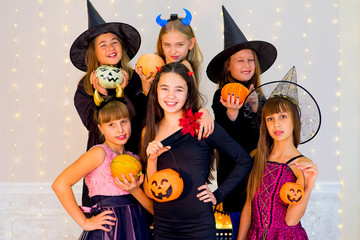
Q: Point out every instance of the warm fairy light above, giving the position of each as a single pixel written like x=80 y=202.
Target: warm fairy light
x=13 y=127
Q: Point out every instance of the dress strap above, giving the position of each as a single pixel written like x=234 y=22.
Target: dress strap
x=292 y=159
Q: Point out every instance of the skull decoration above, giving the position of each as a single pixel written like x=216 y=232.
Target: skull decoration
x=292 y=193
x=165 y=185
x=109 y=77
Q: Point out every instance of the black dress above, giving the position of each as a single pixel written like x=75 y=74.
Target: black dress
x=244 y=131
x=187 y=217
x=85 y=106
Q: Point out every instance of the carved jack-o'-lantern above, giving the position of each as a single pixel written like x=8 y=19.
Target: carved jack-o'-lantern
x=110 y=77
x=291 y=193
x=165 y=185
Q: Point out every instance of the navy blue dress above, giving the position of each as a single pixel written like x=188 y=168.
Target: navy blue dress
x=187 y=217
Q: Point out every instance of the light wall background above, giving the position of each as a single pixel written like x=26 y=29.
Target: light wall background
x=41 y=133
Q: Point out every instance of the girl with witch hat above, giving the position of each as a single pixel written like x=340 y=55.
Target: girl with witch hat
x=177 y=43
x=242 y=62
x=113 y=44
x=288 y=118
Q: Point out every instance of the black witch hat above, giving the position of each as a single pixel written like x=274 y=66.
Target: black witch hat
x=128 y=35
x=234 y=41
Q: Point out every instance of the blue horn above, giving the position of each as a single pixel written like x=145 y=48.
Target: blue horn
x=186 y=21
x=160 y=21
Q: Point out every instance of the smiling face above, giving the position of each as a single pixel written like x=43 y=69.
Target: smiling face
x=172 y=92
x=176 y=46
x=108 y=49
x=280 y=126
x=116 y=132
x=241 y=65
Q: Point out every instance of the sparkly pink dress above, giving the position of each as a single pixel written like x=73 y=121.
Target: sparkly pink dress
x=268 y=211
x=131 y=218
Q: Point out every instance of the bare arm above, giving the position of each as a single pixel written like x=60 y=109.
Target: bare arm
x=296 y=212
x=134 y=187
x=71 y=175
x=245 y=220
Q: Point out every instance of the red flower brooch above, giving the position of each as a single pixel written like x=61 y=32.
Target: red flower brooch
x=189 y=122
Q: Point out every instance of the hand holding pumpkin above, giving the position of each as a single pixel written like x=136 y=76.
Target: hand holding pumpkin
x=253 y=99
x=206 y=195
x=95 y=83
x=132 y=186
x=146 y=80
x=125 y=78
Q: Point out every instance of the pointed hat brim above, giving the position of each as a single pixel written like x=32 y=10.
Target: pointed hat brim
x=234 y=41
x=128 y=34
x=310 y=114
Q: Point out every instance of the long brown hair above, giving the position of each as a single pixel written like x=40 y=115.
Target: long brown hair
x=266 y=142
x=154 y=112
x=194 y=56
x=92 y=64
x=225 y=76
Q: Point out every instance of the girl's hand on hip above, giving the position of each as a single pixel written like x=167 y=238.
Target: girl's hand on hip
x=206 y=195
x=98 y=221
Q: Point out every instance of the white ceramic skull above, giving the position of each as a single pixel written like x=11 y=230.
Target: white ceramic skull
x=109 y=76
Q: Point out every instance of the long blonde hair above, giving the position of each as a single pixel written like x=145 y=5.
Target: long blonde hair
x=92 y=64
x=266 y=142
x=194 y=56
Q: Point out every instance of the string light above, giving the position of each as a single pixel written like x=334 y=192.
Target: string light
x=338 y=94
x=66 y=100
x=140 y=14
x=15 y=121
x=278 y=25
x=40 y=85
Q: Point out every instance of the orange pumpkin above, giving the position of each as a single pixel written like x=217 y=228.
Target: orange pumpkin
x=165 y=185
x=123 y=165
x=149 y=62
x=237 y=89
x=291 y=193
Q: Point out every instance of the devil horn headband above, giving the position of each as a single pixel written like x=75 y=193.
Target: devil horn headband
x=186 y=21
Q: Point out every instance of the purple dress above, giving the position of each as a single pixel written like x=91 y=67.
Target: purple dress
x=268 y=211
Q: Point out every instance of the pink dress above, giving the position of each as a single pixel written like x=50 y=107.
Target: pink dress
x=131 y=218
x=268 y=211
